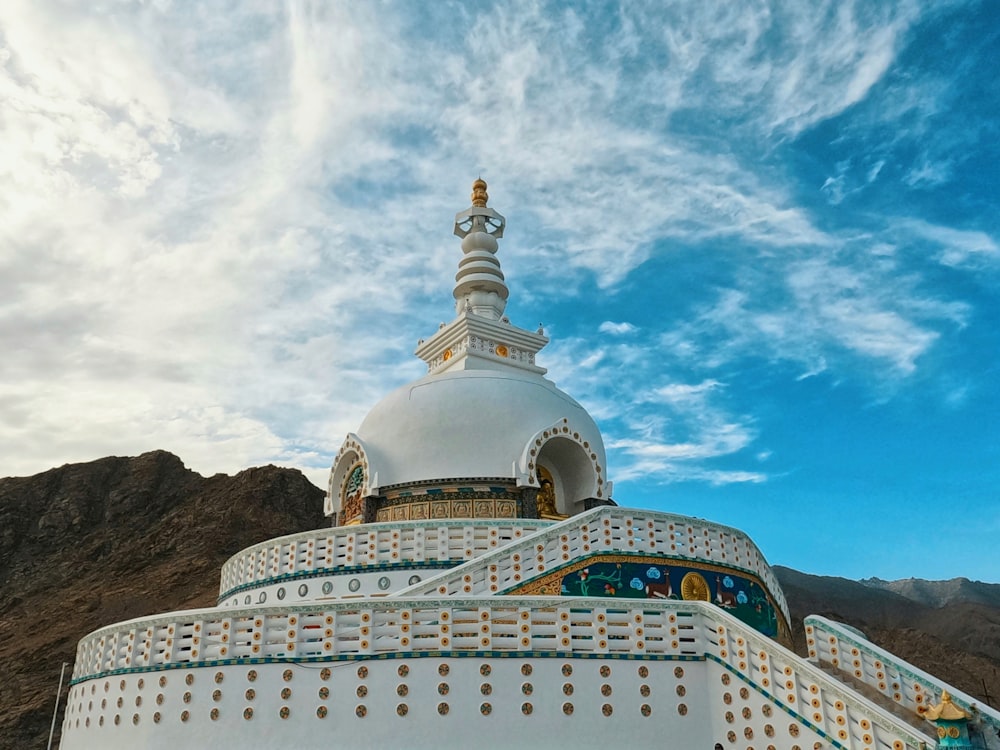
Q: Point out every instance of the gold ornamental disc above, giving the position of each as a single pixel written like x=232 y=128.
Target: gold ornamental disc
x=695 y=588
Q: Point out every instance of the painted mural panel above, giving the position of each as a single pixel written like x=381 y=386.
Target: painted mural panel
x=739 y=595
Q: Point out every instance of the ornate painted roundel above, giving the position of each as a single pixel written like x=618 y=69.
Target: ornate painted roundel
x=694 y=587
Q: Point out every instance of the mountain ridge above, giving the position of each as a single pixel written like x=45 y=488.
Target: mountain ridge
x=939 y=594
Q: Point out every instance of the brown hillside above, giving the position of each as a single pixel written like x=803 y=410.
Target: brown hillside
x=86 y=545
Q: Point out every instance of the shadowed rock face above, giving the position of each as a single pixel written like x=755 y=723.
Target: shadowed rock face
x=87 y=545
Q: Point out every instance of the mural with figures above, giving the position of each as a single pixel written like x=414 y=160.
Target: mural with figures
x=740 y=595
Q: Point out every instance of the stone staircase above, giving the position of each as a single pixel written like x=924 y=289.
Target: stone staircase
x=916 y=721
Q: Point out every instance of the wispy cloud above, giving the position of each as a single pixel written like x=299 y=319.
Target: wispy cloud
x=655 y=428
x=224 y=229
x=820 y=312
x=616 y=329
x=957 y=246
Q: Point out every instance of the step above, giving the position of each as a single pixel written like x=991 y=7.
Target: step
x=882 y=701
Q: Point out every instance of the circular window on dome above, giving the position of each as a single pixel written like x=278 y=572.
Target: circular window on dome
x=327 y=587
x=383 y=582
x=354 y=584
x=414 y=579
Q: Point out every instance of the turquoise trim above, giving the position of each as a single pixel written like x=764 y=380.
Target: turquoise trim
x=383 y=657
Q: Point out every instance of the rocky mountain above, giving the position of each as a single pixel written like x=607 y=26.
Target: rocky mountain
x=86 y=545
x=941 y=593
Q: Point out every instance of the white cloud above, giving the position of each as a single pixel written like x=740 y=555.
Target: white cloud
x=820 y=313
x=834 y=188
x=679 y=393
x=616 y=329
x=667 y=463
x=654 y=428
x=930 y=173
x=958 y=245
x=874 y=170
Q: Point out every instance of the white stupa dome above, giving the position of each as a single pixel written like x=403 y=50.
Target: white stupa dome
x=470 y=423
x=483 y=414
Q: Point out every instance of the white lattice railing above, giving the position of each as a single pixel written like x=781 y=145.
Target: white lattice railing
x=822 y=701
x=899 y=681
x=514 y=625
x=606 y=529
x=368 y=545
x=379 y=626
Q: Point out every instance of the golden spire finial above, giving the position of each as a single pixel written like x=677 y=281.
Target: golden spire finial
x=479 y=195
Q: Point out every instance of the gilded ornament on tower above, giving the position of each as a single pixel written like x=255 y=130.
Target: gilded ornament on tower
x=479 y=194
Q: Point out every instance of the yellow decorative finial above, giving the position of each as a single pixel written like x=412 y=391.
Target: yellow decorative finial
x=479 y=195
x=945 y=710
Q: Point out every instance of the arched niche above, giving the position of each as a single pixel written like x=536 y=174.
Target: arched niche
x=572 y=471
x=349 y=483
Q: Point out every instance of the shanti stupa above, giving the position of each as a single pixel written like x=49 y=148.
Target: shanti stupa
x=479 y=587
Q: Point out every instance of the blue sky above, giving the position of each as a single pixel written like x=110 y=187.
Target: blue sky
x=763 y=238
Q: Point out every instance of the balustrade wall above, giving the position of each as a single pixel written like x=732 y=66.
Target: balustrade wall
x=821 y=704
x=809 y=703
x=382 y=627
x=899 y=681
x=377 y=545
x=605 y=529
